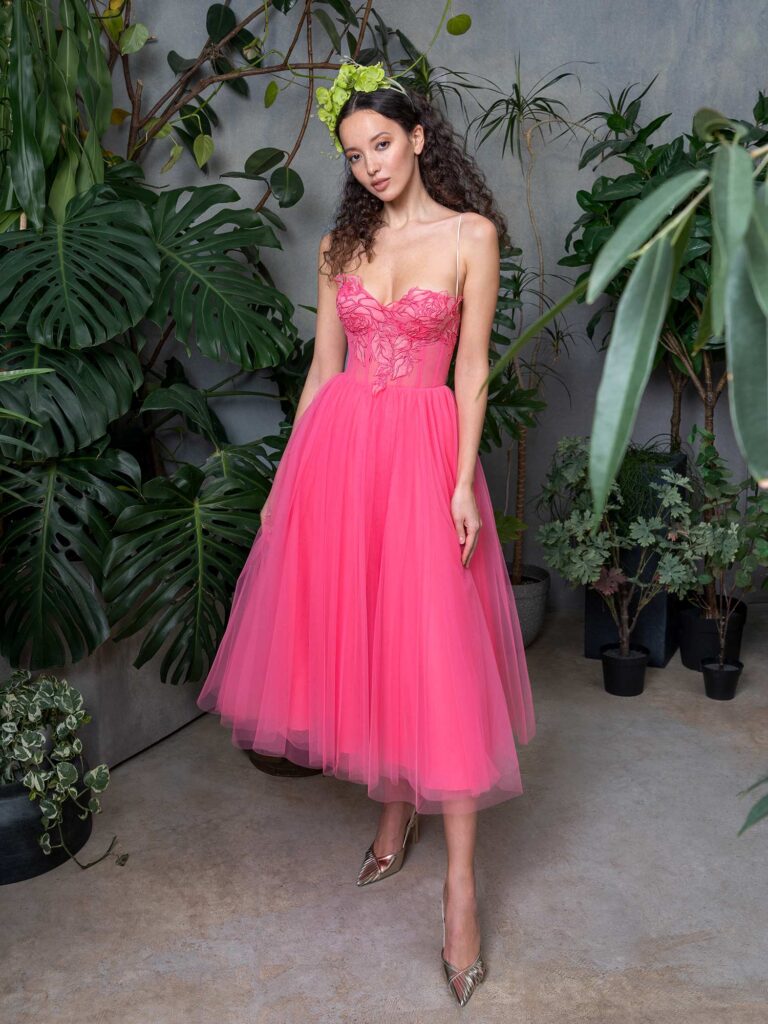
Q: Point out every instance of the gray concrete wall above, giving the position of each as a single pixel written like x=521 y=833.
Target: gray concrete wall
x=703 y=53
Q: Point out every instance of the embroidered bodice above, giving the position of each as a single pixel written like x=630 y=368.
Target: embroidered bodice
x=405 y=343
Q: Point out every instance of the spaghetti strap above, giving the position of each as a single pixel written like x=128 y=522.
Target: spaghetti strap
x=458 y=229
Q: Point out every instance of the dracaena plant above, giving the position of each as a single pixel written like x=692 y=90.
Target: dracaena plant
x=585 y=545
x=653 y=236
x=688 y=354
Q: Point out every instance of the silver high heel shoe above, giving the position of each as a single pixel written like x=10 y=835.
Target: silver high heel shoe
x=375 y=868
x=462 y=982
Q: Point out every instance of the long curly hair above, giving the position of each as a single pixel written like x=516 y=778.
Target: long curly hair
x=450 y=176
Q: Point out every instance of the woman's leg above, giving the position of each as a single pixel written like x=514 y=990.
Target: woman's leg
x=462 y=928
x=394 y=817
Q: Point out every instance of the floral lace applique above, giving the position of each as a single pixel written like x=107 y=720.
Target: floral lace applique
x=394 y=332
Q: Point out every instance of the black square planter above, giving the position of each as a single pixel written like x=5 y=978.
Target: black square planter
x=656 y=629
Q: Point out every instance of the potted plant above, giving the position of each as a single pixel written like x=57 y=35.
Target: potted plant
x=718 y=543
x=727 y=546
x=41 y=760
x=517 y=116
x=657 y=623
x=586 y=547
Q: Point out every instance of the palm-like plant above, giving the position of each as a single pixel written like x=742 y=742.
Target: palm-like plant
x=517 y=116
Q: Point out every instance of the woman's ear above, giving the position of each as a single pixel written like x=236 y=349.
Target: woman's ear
x=417 y=137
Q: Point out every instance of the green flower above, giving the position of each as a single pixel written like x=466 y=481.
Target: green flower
x=351 y=77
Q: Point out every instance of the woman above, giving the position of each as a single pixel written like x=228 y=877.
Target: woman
x=373 y=630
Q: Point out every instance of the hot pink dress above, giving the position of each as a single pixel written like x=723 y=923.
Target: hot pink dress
x=357 y=641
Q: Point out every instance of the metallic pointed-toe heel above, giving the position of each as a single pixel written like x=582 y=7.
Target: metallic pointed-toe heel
x=375 y=868
x=462 y=982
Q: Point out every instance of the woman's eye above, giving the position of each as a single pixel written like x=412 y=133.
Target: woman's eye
x=352 y=159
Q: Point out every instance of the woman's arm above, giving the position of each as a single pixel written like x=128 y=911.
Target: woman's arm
x=330 y=340
x=481 y=289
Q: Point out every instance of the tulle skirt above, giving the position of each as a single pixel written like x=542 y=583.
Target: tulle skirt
x=357 y=642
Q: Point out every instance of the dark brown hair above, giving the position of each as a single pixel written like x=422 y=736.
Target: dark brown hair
x=450 y=176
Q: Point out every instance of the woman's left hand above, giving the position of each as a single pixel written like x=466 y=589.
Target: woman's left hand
x=466 y=518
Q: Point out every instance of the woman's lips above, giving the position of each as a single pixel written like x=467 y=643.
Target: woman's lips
x=381 y=184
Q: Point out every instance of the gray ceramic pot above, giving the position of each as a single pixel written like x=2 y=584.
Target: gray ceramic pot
x=531 y=600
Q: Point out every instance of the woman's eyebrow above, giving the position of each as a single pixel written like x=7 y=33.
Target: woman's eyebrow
x=384 y=131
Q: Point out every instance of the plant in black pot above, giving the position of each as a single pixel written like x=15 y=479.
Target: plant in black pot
x=727 y=545
x=657 y=623
x=586 y=548
x=41 y=760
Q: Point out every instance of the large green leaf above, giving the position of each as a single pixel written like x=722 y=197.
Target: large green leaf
x=175 y=560
x=638 y=226
x=6 y=376
x=746 y=339
x=220 y=21
x=76 y=402
x=192 y=404
x=628 y=363
x=56 y=525
x=95 y=61
x=213 y=298
x=757 y=247
x=24 y=156
x=731 y=203
x=82 y=282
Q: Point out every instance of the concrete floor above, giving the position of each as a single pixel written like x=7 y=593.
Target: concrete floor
x=615 y=889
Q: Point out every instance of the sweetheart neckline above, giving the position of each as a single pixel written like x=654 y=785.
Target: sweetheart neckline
x=414 y=288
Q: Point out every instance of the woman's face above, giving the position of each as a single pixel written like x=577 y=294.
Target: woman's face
x=380 y=153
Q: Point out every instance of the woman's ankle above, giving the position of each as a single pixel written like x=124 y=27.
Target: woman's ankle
x=460 y=882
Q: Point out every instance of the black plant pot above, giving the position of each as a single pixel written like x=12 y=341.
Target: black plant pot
x=720 y=683
x=21 y=856
x=699 y=640
x=624 y=676
x=657 y=626
x=270 y=764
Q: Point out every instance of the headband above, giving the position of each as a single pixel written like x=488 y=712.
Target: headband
x=351 y=77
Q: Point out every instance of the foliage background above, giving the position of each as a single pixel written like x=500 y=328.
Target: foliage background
x=681 y=45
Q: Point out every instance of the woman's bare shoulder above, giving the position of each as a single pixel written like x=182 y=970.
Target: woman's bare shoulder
x=480 y=227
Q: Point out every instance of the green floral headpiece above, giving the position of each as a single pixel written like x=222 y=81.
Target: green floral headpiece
x=351 y=77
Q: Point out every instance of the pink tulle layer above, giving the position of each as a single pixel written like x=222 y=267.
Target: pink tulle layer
x=357 y=641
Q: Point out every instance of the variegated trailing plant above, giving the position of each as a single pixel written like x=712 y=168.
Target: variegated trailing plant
x=39 y=747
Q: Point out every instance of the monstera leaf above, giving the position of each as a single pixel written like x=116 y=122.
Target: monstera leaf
x=174 y=561
x=214 y=299
x=74 y=402
x=6 y=376
x=192 y=404
x=56 y=525
x=84 y=281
